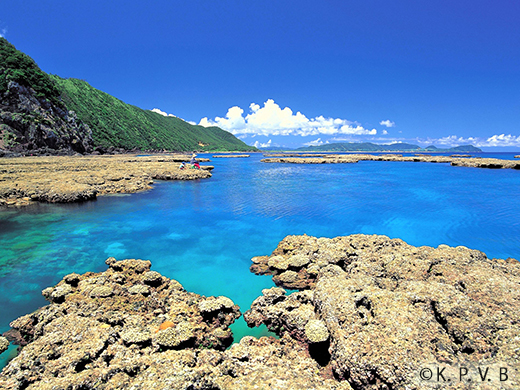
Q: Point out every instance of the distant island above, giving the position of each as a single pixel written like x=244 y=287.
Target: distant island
x=395 y=147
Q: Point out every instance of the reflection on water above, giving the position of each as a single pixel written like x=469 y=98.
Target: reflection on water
x=204 y=233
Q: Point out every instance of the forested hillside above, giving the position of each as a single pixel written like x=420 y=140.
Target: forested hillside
x=46 y=114
x=118 y=124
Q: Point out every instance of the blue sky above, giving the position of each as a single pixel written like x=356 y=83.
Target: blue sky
x=290 y=73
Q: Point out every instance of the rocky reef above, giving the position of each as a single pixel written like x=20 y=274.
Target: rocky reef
x=369 y=312
x=60 y=179
x=377 y=311
x=475 y=162
x=130 y=327
x=4 y=344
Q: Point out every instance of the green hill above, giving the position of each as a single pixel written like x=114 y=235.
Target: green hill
x=41 y=114
x=115 y=123
x=33 y=117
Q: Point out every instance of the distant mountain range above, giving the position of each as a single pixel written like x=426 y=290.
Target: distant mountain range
x=46 y=114
x=395 y=147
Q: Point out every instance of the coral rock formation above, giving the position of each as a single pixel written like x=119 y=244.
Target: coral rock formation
x=389 y=308
x=72 y=179
x=476 y=162
x=371 y=313
x=96 y=328
x=100 y=332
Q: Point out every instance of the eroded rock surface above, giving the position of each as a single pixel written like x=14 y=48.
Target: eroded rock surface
x=109 y=324
x=59 y=179
x=4 y=344
x=354 y=158
x=371 y=313
x=129 y=327
x=390 y=308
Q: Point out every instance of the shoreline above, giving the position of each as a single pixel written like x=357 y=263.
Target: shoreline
x=65 y=179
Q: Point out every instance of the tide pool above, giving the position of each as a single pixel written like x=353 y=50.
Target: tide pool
x=203 y=233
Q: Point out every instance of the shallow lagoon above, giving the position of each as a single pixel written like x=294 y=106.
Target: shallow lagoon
x=204 y=233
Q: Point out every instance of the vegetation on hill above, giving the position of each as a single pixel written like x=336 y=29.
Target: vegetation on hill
x=35 y=115
x=19 y=67
x=33 y=118
x=462 y=148
x=115 y=123
x=396 y=147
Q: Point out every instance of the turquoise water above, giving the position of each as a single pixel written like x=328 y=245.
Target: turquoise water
x=204 y=233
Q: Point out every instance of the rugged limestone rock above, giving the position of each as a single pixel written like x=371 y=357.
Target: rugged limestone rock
x=73 y=179
x=354 y=158
x=391 y=309
x=169 y=339
x=371 y=313
x=4 y=344
x=32 y=123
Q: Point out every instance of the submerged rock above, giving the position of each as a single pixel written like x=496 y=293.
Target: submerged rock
x=382 y=310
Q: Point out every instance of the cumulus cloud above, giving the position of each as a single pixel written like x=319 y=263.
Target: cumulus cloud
x=316 y=142
x=503 y=140
x=233 y=122
x=260 y=145
x=160 y=112
x=387 y=123
x=497 y=140
x=385 y=132
x=453 y=140
x=271 y=119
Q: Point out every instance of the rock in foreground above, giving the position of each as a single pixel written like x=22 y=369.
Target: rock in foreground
x=129 y=327
x=391 y=309
x=100 y=325
x=371 y=313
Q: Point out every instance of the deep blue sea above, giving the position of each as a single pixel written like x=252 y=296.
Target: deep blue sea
x=204 y=233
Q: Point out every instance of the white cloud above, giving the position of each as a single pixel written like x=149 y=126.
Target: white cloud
x=503 y=140
x=271 y=119
x=3 y=33
x=385 y=132
x=233 y=120
x=160 y=112
x=316 y=142
x=451 y=140
x=387 y=123
x=358 y=130
x=497 y=140
x=260 y=145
